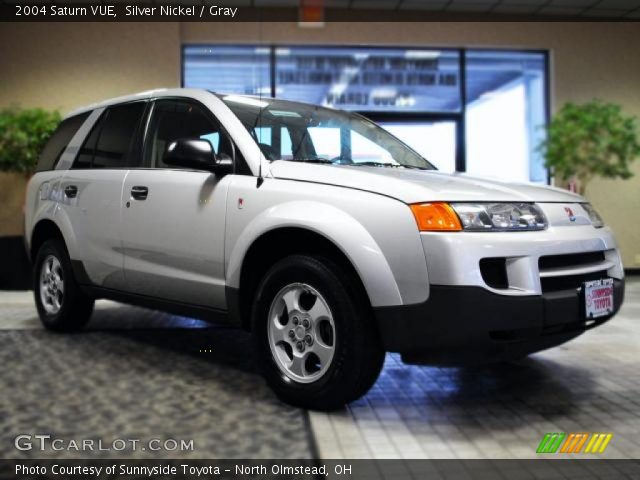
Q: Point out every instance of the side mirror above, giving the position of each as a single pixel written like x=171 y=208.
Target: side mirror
x=197 y=154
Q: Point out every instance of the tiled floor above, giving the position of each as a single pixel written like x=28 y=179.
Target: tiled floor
x=591 y=384
x=142 y=375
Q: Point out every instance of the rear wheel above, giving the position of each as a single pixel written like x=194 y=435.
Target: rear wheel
x=314 y=335
x=60 y=303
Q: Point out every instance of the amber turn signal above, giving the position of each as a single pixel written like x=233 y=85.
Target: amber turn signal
x=436 y=217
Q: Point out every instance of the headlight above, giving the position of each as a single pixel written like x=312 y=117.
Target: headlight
x=500 y=216
x=478 y=217
x=596 y=220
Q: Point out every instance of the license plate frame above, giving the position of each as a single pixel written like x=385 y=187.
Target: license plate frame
x=598 y=297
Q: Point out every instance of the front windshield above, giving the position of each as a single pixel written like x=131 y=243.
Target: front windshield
x=306 y=133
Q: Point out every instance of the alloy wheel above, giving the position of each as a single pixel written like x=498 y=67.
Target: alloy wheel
x=51 y=285
x=301 y=333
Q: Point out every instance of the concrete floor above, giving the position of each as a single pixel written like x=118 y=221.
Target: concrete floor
x=136 y=372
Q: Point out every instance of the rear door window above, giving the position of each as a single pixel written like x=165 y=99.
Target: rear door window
x=58 y=142
x=116 y=136
x=109 y=143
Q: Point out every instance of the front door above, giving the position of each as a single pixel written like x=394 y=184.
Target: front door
x=173 y=220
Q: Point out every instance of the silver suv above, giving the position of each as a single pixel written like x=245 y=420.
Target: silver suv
x=318 y=231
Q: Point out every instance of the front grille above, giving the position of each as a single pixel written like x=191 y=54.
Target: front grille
x=569 y=282
x=570 y=271
x=570 y=260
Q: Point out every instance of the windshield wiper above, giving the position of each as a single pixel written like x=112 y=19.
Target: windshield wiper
x=314 y=160
x=375 y=164
x=383 y=164
x=415 y=167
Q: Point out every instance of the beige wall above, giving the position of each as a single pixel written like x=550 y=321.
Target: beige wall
x=71 y=64
x=64 y=66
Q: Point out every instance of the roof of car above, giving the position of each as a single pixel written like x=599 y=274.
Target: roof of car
x=160 y=92
x=172 y=92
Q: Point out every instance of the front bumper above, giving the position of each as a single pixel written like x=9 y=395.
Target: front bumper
x=463 y=325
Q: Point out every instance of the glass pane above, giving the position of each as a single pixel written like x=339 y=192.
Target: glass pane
x=322 y=135
x=85 y=155
x=506 y=113
x=263 y=134
x=222 y=69
x=370 y=79
x=116 y=135
x=435 y=141
x=364 y=150
x=172 y=120
x=326 y=141
x=58 y=142
x=213 y=139
x=269 y=141
x=286 y=144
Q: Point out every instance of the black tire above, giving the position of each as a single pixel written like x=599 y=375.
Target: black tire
x=75 y=308
x=358 y=355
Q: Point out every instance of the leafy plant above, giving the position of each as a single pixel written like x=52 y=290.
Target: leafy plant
x=589 y=140
x=23 y=135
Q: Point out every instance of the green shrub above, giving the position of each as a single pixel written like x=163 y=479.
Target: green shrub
x=589 y=140
x=23 y=135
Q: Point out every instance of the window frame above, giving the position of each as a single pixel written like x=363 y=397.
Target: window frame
x=458 y=117
x=237 y=158
x=99 y=125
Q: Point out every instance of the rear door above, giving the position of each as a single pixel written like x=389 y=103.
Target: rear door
x=91 y=192
x=173 y=219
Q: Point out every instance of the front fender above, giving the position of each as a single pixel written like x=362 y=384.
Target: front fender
x=343 y=230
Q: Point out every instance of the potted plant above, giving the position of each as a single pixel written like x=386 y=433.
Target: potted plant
x=23 y=134
x=589 y=140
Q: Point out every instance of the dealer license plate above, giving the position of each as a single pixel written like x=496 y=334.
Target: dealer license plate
x=598 y=297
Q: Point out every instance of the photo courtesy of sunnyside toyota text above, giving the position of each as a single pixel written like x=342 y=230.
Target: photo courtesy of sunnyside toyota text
x=319 y=239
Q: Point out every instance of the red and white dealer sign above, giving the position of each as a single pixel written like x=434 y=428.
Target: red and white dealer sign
x=598 y=296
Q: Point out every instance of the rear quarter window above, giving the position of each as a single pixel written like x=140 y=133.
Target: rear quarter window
x=58 y=142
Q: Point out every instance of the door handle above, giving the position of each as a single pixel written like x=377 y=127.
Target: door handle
x=139 y=193
x=71 y=191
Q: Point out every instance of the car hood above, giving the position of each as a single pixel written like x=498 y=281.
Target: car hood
x=412 y=186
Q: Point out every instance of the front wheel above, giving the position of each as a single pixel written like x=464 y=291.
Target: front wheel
x=60 y=303
x=314 y=334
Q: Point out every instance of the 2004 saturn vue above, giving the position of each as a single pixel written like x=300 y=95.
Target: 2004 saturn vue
x=321 y=233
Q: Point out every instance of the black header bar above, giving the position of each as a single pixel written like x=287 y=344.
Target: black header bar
x=209 y=11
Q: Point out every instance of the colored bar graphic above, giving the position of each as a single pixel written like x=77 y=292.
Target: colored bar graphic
x=590 y=444
x=550 y=443
x=574 y=442
x=543 y=443
x=569 y=443
x=557 y=443
x=598 y=443
x=605 y=443
x=581 y=443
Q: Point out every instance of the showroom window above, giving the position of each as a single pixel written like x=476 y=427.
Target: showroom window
x=477 y=111
x=366 y=79
x=505 y=113
x=241 y=70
